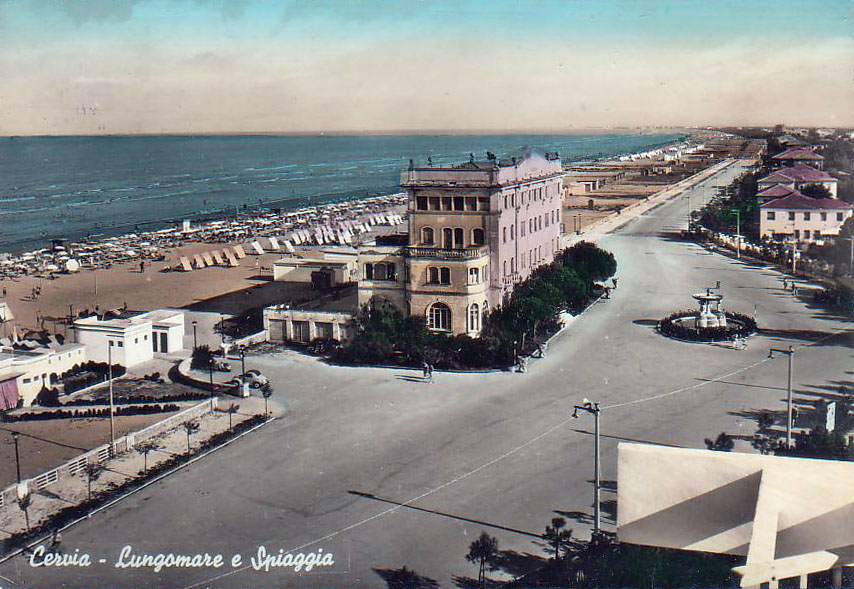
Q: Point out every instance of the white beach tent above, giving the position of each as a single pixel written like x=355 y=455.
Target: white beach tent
x=206 y=256
x=289 y=248
x=274 y=244
x=200 y=263
x=239 y=252
x=256 y=248
x=232 y=261
x=217 y=256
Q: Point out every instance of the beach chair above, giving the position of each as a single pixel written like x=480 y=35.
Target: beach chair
x=239 y=252
x=232 y=261
x=185 y=264
x=256 y=248
x=197 y=259
x=206 y=256
x=318 y=236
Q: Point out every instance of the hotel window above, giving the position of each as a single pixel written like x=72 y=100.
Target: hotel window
x=369 y=271
x=421 y=203
x=824 y=216
x=806 y=233
x=446 y=203
x=474 y=275
x=522 y=260
x=445 y=275
x=483 y=203
x=512 y=265
x=504 y=235
x=471 y=203
x=439 y=317
x=512 y=232
x=806 y=216
x=791 y=216
x=121 y=344
x=505 y=201
x=459 y=238
x=447 y=238
x=427 y=236
x=474 y=317
x=504 y=268
x=477 y=237
x=459 y=203
x=434 y=203
x=771 y=215
x=838 y=216
x=432 y=275
x=522 y=229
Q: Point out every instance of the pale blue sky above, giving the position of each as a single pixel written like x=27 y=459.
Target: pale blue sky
x=253 y=65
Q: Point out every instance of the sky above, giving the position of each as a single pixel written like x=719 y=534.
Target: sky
x=306 y=66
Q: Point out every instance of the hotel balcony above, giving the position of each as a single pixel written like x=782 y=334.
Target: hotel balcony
x=470 y=253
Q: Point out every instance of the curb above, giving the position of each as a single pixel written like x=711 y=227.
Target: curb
x=109 y=504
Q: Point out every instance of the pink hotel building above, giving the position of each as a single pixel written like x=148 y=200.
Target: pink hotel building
x=475 y=229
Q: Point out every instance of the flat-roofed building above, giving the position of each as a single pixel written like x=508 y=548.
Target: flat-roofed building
x=130 y=337
x=28 y=366
x=475 y=230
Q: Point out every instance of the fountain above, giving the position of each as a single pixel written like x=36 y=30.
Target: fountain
x=708 y=324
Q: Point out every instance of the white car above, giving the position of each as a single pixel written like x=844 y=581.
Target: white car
x=255 y=379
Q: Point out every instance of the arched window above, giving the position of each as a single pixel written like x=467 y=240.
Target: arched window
x=504 y=273
x=447 y=238
x=445 y=275
x=477 y=237
x=439 y=317
x=427 y=236
x=459 y=237
x=433 y=275
x=474 y=317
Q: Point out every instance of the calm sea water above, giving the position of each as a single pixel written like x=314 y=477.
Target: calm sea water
x=68 y=187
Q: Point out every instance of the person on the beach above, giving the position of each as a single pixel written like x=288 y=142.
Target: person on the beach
x=785 y=284
x=430 y=371
x=142 y=267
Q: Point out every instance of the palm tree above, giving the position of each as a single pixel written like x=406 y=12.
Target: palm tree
x=556 y=535
x=144 y=448
x=24 y=503
x=232 y=409
x=483 y=551
x=93 y=471
x=190 y=427
x=267 y=392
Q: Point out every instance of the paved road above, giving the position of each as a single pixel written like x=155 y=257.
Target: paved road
x=499 y=448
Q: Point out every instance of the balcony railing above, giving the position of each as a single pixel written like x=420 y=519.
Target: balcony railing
x=470 y=253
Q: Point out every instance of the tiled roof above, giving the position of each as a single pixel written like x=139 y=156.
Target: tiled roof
x=799 y=201
x=777 y=191
x=799 y=153
x=798 y=173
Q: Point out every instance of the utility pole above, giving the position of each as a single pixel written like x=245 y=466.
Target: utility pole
x=593 y=408
x=112 y=407
x=791 y=353
x=15 y=436
x=737 y=233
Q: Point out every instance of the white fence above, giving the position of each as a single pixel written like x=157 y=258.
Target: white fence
x=77 y=466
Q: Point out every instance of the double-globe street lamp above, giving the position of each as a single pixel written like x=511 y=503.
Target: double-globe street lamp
x=791 y=354
x=593 y=408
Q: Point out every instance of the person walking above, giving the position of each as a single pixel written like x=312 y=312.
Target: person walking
x=425 y=369
x=430 y=371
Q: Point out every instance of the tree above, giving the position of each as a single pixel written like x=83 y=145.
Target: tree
x=266 y=392
x=145 y=448
x=232 y=409
x=557 y=536
x=723 y=443
x=203 y=358
x=483 y=552
x=590 y=261
x=816 y=191
x=404 y=578
x=190 y=427
x=24 y=504
x=93 y=471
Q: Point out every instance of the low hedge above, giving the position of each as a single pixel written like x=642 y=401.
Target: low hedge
x=122 y=400
x=671 y=328
x=121 y=411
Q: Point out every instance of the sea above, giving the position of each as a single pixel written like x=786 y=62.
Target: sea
x=73 y=187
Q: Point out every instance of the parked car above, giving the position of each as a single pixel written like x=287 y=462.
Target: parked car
x=222 y=366
x=255 y=379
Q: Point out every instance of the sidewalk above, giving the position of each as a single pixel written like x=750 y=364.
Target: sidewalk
x=67 y=492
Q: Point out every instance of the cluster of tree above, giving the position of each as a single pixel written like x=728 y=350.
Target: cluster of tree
x=65 y=414
x=743 y=326
x=735 y=209
x=202 y=358
x=569 y=562
x=382 y=334
x=839 y=161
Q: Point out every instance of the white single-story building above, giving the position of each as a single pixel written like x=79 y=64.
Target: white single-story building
x=130 y=337
x=30 y=366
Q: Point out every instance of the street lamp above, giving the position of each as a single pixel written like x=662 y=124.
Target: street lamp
x=242 y=361
x=791 y=353
x=210 y=373
x=593 y=408
x=737 y=233
x=195 y=343
x=15 y=436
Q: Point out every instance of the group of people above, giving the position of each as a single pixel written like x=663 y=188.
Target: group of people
x=427 y=369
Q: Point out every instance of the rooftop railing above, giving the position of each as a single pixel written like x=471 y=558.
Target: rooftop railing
x=446 y=254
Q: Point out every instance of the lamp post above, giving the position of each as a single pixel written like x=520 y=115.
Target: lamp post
x=112 y=412
x=593 y=408
x=15 y=436
x=242 y=361
x=210 y=373
x=195 y=342
x=791 y=353
x=737 y=233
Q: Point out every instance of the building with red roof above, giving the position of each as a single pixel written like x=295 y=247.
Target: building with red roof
x=803 y=219
x=800 y=155
x=798 y=177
